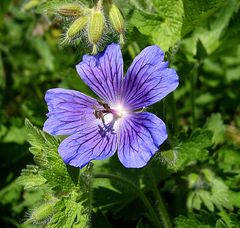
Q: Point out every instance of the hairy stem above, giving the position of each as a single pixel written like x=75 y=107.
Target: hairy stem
x=99 y=4
x=166 y=223
x=155 y=220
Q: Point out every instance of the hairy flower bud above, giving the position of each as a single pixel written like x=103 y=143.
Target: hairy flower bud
x=77 y=26
x=70 y=10
x=116 y=18
x=41 y=213
x=95 y=28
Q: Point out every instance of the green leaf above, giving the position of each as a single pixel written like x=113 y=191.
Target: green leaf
x=229 y=159
x=196 y=11
x=234 y=198
x=173 y=20
x=211 y=190
x=193 y=220
x=30 y=178
x=189 y=151
x=211 y=34
x=206 y=199
x=194 y=201
x=44 y=52
x=40 y=140
x=201 y=51
x=220 y=224
x=215 y=124
x=220 y=194
x=15 y=134
x=44 y=147
x=69 y=213
x=10 y=193
x=164 y=30
x=231 y=220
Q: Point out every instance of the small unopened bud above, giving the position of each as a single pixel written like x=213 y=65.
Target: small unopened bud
x=70 y=10
x=95 y=28
x=41 y=213
x=77 y=26
x=116 y=18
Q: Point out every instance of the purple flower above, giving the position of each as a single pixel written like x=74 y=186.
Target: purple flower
x=98 y=128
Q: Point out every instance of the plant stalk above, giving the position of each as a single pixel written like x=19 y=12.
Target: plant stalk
x=161 y=207
x=173 y=111
x=99 y=4
x=193 y=75
x=153 y=215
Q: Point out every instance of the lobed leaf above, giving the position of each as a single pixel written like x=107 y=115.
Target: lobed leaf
x=69 y=213
x=173 y=19
x=44 y=147
x=215 y=124
x=189 y=151
x=209 y=191
x=191 y=221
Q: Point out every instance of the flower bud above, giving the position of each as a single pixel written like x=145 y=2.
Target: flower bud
x=95 y=28
x=70 y=10
x=116 y=18
x=77 y=26
x=41 y=213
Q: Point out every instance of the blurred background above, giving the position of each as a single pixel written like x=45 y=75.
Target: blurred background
x=206 y=56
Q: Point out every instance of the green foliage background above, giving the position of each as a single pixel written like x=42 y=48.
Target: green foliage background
x=197 y=172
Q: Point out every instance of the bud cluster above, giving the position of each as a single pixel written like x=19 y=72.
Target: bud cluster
x=92 y=23
x=84 y=22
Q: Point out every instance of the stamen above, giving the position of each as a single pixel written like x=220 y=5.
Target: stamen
x=107 y=113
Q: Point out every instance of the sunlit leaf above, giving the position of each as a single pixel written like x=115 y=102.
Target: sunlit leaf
x=45 y=150
x=173 y=20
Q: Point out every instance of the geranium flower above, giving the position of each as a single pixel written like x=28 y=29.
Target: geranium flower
x=98 y=128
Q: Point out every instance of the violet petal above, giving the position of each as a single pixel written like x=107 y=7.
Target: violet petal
x=94 y=142
x=141 y=134
x=68 y=111
x=148 y=79
x=103 y=73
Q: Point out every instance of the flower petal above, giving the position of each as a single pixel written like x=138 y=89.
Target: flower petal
x=68 y=110
x=94 y=142
x=141 y=134
x=103 y=73
x=148 y=79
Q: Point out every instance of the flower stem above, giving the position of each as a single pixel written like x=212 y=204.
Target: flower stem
x=162 y=209
x=153 y=215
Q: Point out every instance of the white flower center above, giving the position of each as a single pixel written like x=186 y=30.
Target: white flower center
x=119 y=111
x=109 y=114
x=116 y=112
